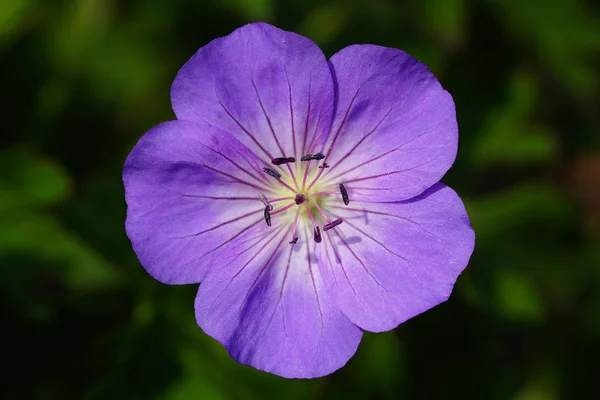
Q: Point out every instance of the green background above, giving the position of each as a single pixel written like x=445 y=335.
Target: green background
x=82 y=80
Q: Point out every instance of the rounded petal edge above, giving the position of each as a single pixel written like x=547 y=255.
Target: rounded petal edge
x=267 y=303
x=395 y=131
x=181 y=179
x=389 y=262
x=270 y=88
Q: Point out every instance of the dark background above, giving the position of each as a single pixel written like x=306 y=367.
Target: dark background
x=82 y=80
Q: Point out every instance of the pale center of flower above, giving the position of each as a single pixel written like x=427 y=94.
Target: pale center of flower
x=302 y=199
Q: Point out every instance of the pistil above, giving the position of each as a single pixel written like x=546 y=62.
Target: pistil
x=302 y=196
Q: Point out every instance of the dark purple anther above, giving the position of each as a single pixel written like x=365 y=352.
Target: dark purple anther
x=332 y=224
x=300 y=198
x=325 y=165
x=309 y=156
x=274 y=174
x=295 y=240
x=268 y=215
x=283 y=160
x=344 y=194
x=317 y=236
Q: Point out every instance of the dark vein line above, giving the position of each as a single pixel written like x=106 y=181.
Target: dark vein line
x=267 y=236
x=291 y=108
x=399 y=148
x=361 y=262
x=234 y=178
x=307 y=117
x=262 y=107
x=254 y=256
x=347 y=222
x=343 y=121
x=218 y=225
x=224 y=243
x=246 y=131
x=217 y=171
x=264 y=268
x=233 y=162
x=361 y=141
x=394 y=172
x=287 y=268
x=339 y=260
x=254 y=166
x=312 y=276
x=390 y=215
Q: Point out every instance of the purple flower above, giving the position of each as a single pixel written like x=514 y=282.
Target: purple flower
x=303 y=194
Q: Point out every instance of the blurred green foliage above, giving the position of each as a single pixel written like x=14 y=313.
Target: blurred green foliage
x=82 y=80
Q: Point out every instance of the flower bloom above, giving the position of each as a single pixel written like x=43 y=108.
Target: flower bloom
x=303 y=194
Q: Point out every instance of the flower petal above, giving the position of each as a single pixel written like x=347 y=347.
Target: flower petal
x=395 y=132
x=266 y=302
x=392 y=261
x=190 y=189
x=271 y=89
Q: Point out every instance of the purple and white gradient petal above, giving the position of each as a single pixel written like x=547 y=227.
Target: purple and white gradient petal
x=303 y=194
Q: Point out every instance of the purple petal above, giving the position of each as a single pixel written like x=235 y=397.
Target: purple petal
x=190 y=189
x=395 y=132
x=266 y=301
x=270 y=88
x=392 y=261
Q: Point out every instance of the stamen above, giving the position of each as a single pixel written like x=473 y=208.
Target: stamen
x=271 y=172
x=321 y=211
x=292 y=174
x=312 y=219
x=264 y=200
x=325 y=165
x=305 y=175
x=281 y=199
x=344 y=194
x=300 y=198
x=316 y=229
x=267 y=215
x=317 y=236
x=309 y=156
x=283 y=209
x=283 y=160
x=294 y=237
x=316 y=178
x=332 y=224
x=277 y=176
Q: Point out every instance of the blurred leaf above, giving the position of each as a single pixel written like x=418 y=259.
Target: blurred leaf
x=379 y=364
x=324 y=23
x=501 y=212
x=543 y=385
x=446 y=19
x=516 y=297
x=508 y=137
x=13 y=16
x=563 y=33
x=28 y=179
x=76 y=35
x=80 y=266
x=253 y=10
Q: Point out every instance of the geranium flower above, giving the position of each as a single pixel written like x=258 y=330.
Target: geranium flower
x=302 y=195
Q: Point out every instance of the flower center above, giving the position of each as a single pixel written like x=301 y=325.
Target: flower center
x=305 y=197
